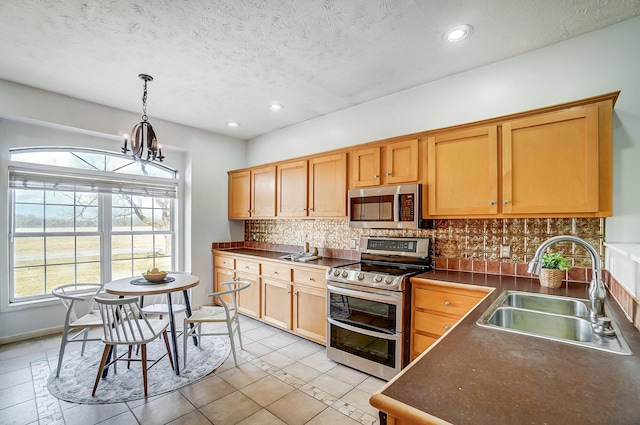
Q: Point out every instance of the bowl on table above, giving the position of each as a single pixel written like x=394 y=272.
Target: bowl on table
x=154 y=277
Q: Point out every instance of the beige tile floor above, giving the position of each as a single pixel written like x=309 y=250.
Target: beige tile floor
x=280 y=379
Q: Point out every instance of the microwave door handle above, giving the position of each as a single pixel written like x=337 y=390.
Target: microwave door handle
x=396 y=207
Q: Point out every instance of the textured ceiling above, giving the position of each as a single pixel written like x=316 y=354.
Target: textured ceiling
x=215 y=61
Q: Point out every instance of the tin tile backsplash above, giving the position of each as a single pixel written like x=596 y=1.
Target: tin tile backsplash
x=452 y=240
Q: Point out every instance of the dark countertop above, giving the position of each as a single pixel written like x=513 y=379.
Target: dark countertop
x=275 y=255
x=484 y=376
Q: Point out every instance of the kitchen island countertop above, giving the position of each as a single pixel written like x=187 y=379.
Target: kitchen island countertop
x=483 y=376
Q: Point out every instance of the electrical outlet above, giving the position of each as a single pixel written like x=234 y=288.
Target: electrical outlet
x=353 y=243
x=505 y=251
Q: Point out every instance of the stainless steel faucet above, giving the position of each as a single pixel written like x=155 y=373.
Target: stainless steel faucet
x=597 y=291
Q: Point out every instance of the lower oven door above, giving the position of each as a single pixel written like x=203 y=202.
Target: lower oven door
x=364 y=330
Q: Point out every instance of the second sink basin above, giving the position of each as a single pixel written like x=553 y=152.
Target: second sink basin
x=546 y=303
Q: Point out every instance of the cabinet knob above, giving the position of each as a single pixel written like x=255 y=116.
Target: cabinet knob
x=311 y=279
x=447 y=303
x=492 y=202
x=375 y=176
x=388 y=173
x=446 y=328
x=506 y=201
x=275 y=273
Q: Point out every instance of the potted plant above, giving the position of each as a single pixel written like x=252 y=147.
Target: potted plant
x=554 y=267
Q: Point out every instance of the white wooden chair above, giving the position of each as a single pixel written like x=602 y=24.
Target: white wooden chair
x=81 y=316
x=124 y=324
x=226 y=313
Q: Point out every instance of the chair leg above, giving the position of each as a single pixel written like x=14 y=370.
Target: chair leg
x=166 y=343
x=105 y=354
x=239 y=333
x=233 y=344
x=185 y=340
x=129 y=357
x=63 y=345
x=85 y=335
x=144 y=367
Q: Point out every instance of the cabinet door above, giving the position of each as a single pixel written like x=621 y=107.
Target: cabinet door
x=263 y=192
x=310 y=313
x=550 y=162
x=223 y=275
x=365 y=166
x=463 y=172
x=249 y=299
x=328 y=186
x=401 y=162
x=239 y=194
x=276 y=303
x=292 y=189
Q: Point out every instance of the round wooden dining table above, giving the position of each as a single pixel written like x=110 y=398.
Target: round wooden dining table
x=124 y=287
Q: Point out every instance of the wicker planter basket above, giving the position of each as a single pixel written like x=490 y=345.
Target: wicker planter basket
x=551 y=278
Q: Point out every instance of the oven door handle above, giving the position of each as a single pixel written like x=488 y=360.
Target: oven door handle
x=363 y=331
x=371 y=296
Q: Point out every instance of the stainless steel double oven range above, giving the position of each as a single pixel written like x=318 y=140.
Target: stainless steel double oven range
x=369 y=305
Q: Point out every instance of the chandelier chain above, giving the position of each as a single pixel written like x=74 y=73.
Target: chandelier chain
x=144 y=103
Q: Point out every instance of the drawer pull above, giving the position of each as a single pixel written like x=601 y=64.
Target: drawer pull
x=312 y=279
x=446 y=328
x=447 y=303
x=275 y=273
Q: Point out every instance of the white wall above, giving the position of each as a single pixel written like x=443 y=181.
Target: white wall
x=599 y=62
x=202 y=158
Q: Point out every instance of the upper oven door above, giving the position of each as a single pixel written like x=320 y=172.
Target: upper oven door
x=389 y=207
x=372 y=311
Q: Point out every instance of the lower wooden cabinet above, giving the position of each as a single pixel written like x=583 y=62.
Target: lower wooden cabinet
x=289 y=296
x=277 y=302
x=436 y=308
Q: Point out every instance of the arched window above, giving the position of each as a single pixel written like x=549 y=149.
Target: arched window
x=85 y=215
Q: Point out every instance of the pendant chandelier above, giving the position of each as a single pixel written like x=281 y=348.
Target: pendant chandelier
x=142 y=134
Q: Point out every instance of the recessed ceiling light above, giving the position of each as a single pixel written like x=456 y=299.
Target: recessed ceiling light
x=458 y=33
x=233 y=124
x=276 y=107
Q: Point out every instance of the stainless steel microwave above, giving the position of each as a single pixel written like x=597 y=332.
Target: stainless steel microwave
x=386 y=207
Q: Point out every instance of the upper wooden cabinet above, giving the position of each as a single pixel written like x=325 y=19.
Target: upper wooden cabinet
x=463 y=172
x=252 y=193
x=292 y=189
x=553 y=164
x=550 y=163
x=385 y=164
x=239 y=194
x=328 y=186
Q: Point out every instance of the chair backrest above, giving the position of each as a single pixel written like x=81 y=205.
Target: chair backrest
x=69 y=294
x=122 y=320
x=234 y=286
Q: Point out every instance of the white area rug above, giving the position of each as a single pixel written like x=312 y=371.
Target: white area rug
x=78 y=373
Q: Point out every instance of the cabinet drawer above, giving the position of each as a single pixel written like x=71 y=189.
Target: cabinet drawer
x=432 y=323
x=422 y=342
x=277 y=271
x=456 y=304
x=225 y=262
x=248 y=266
x=310 y=277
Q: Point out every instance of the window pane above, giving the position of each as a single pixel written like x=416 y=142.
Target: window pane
x=29 y=218
x=60 y=198
x=143 y=246
x=87 y=219
x=121 y=219
x=163 y=263
x=28 y=281
x=30 y=196
x=59 y=218
x=61 y=250
x=121 y=247
x=89 y=272
x=62 y=274
x=142 y=219
x=121 y=201
x=121 y=268
x=28 y=252
x=163 y=244
x=88 y=248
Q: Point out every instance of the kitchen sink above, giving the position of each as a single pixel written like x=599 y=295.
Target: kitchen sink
x=555 y=318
